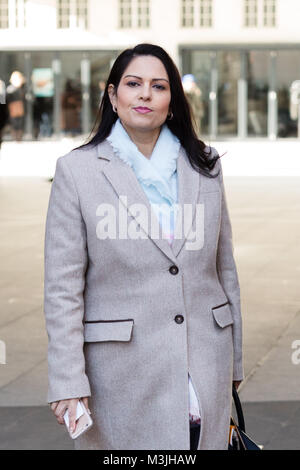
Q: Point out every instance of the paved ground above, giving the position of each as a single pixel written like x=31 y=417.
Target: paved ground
x=266 y=226
x=250 y=158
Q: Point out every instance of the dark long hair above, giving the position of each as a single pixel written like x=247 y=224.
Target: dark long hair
x=182 y=123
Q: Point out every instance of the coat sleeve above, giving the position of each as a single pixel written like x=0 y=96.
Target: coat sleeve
x=65 y=263
x=228 y=277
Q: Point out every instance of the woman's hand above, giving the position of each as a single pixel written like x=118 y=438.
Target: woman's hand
x=59 y=409
x=237 y=383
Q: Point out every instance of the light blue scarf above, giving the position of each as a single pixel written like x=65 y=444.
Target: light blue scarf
x=157 y=175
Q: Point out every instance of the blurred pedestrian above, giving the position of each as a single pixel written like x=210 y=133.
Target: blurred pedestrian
x=194 y=96
x=71 y=106
x=3 y=109
x=15 y=97
x=2 y=92
x=101 y=85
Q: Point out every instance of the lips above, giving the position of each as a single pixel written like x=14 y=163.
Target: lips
x=142 y=110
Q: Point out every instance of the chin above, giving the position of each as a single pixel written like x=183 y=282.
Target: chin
x=141 y=124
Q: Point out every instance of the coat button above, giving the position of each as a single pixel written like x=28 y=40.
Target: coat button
x=179 y=318
x=173 y=269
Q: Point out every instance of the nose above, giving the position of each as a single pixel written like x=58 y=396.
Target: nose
x=145 y=92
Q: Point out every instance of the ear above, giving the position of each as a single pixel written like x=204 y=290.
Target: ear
x=112 y=94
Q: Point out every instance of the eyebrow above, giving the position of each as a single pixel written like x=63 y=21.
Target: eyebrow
x=153 y=79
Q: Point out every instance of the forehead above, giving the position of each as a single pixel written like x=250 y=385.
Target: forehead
x=146 y=67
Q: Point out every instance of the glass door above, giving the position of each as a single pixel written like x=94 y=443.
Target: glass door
x=198 y=70
x=287 y=71
x=100 y=66
x=258 y=63
x=42 y=92
x=228 y=64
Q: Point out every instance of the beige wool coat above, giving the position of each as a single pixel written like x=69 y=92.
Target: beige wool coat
x=128 y=317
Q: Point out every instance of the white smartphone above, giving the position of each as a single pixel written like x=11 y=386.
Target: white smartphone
x=83 y=420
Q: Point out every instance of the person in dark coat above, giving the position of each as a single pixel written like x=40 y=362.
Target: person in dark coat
x=15 y=97
x=3 y=109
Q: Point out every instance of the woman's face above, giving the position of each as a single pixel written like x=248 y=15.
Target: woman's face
x=143 y=96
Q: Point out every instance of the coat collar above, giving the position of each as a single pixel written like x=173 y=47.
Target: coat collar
x=123 y=180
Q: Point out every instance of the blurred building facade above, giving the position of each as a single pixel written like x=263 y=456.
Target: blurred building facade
x=243 y=54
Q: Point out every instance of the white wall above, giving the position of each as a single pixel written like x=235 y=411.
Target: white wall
x=165 y=27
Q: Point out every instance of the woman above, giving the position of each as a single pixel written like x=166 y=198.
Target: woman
x=3 y=109
x=142 y=299
x=15 y=96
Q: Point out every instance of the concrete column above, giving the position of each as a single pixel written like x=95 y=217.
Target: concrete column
x=56 y=67
x=243 y=98
x=272 y=98
x=86 y=99
x=28 y=125
x=213 y=97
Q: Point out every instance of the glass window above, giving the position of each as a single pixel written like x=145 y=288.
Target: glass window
x=20 y=13
x=125 y=14
x=3 y=14
x=143 y=16
x=206 y=13
x=269 y=13
x=258 y=87
x=42 y=83
x=200 y=65
x=12 y=14
x=228 y=63
x=81 y=14
x=100 y=67
x=71 y=93
x=38 y=83
x=287 y=71
x=250 y=13
x=260 y=13
x=50 y=92
x=63 y=14
x=187 y=13
x=12 y=72
x=72 y=14
x=134 y=13
x=197 y=66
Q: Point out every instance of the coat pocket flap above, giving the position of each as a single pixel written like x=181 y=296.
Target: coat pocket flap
x=108 y=330
x=222 y=314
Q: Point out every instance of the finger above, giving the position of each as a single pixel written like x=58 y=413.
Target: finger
x=59 y=413
x=236 y=384
x=53 y=405
x=85 y=401
x=72 y=409
x=60 y=409
x=60 y=417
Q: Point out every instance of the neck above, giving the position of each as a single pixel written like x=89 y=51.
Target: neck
x=144 y=140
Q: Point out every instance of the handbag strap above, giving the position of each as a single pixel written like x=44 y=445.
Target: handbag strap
x=239 y=409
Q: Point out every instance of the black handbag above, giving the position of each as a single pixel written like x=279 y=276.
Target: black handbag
x=238 y=439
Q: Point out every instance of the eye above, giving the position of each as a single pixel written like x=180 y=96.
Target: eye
x=132 y=84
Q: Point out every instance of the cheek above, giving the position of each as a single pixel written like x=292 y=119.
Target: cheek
x=123 y=102
x=163 y=103
x=125 y=97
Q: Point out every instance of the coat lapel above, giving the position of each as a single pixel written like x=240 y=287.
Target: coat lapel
x=123 y=180
x=188 y=181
